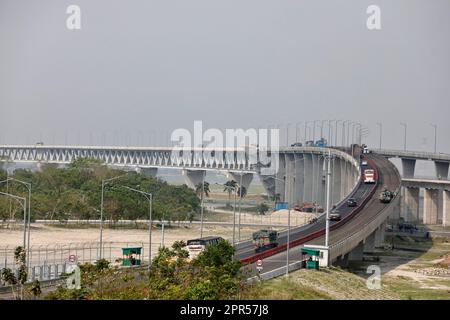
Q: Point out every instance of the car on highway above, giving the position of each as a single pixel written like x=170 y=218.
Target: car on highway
x=364 y=163
x=352 y=202
x=334 y=216
x=297 y=144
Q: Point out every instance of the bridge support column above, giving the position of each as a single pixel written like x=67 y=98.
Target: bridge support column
x=446 y=208
x=336 y=178
x=369 y=243
x=246 y=178
x=357 y=252
x=321 y=183
x=379 y=235
x=280 y=181
x=308 y=177
x=408 y=167
x=411 y=204
x=148 y=172
x=343 y=179
x=430 y=207
x=441 y=170
x=193 y=177
x=299 y=178
x=268 y=183
x=289 y=191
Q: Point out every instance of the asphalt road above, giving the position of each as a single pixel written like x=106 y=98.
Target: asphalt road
x=387 y=176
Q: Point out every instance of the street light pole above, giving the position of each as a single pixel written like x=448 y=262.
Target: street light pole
x=149 y=197
x=327 y=232
x=435 y=137
x=381 y=131
x=104 y=182
x=28 y=186
x=239 y=214
x=404 y=137
x=201 y=205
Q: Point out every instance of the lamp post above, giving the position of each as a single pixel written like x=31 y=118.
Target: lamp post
x=290 y=199
x=104 y=182
x=24 y=206
x=28 y=186
x=404 y=137
x=381 y=131
x=297 y=131
x=201 y=204
x=149 y=197
x=240 y=199
x=435 y=137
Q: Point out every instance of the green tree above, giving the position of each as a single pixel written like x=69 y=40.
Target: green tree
x=230 y=187
x=262 y=208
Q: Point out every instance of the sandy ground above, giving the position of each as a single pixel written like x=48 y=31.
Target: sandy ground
x=279 y=217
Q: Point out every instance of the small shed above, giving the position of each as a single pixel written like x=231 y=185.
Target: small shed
x=313 y=260
x=131 y=256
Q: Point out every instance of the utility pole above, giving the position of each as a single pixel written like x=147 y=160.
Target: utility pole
x=381 y=131
x=435 y=137
x=404 y=137
x=201 y=205
x=239 y=216
x=327 y=232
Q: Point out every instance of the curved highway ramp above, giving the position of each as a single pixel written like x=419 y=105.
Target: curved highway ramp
x=360 y=230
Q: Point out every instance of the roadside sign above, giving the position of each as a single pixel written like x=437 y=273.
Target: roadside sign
x=72 y=258
x=259 y=265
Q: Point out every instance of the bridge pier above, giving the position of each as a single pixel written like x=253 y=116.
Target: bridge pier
x=379 y=235
x=336 y=178
x=321 y=194
x=148 y=172
x=446 y=208
x=408 y=166
x=357 y=253
x=193 y=177
x=369 y=243
x=308 y=176
x=411 y=204
x=430 y=207
x=289 y=179
x=299 y=178
x=280 y=181
x=441 y=170
x=236 y=176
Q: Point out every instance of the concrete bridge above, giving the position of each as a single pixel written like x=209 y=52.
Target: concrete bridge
x=436 y=191
x=298 y=175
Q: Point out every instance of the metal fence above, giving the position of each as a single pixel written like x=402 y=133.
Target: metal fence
x=49 y=261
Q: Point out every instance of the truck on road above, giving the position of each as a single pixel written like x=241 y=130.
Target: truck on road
x=264 y=239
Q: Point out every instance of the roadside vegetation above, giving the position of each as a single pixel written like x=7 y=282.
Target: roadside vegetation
x=211 y=276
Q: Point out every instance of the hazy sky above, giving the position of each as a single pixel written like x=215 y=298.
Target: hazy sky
x=138 y=66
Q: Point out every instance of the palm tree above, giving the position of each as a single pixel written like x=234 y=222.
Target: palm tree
x=230 y=187
x=200 y=189
x=242 y=191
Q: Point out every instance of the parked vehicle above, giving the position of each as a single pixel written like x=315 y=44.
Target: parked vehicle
x=369 y=176
x=352 y=202
x=265 y=239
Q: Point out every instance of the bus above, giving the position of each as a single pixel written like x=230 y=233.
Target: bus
x=369 y=176
x=195 y=246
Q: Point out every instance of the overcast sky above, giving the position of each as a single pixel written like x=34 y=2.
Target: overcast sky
x=138 y=66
